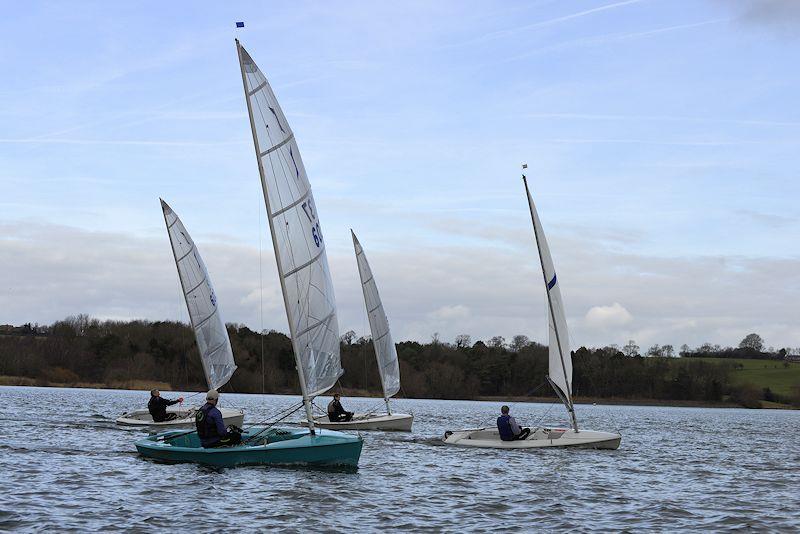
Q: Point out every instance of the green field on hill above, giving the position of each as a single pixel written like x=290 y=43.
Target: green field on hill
x=770 y=374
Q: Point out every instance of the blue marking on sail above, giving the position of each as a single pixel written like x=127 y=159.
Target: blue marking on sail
x=551 y=283
x=277 y=119
x=296 y=170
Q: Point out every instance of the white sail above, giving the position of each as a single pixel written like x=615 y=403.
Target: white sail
x=560 y=369
x=209 y=330
x=297 y=236
x=385 y=351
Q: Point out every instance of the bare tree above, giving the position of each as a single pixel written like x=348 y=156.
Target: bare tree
x=752 y=341
x=348 y=337
x=497 y=342
x=668 y=351
x=463 y=341
x=519 y=342
x=631 y=349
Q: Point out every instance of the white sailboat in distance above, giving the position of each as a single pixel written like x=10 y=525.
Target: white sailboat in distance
x=210 y=333
x=559 y=377
x=385 y=353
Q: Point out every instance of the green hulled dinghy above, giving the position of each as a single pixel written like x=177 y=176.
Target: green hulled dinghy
x=276 y=446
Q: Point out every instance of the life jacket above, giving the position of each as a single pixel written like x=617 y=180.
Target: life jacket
x=206 y=427
x=504 y=427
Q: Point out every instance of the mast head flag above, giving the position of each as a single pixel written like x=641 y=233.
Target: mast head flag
x=240 y=24
x=296 y=234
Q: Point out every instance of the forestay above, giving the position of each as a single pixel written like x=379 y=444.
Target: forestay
x=560 y=369
x=297 y=236
x=209 y=330
x=385 y=351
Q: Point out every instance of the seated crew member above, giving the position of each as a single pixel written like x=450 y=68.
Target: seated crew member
x=158 y=407
x=210 y=426
x=337 y=414
x=508 y=427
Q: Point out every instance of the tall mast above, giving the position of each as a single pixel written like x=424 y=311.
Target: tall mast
x=298 y=363
x=568 y=400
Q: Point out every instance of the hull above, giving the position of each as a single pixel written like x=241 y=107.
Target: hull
x=539 y=438
x=398 y=422
x=184 y=419
x=276 y=446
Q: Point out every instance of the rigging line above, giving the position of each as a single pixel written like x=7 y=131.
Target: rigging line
x=261 y=294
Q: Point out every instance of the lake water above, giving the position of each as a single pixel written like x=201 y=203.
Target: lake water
x=67 y=466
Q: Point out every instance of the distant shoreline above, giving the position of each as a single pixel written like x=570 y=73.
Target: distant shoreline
x=360 y=393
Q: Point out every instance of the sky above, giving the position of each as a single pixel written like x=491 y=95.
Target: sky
x=662 y=139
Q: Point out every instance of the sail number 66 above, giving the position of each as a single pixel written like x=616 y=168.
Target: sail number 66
x=316 y=232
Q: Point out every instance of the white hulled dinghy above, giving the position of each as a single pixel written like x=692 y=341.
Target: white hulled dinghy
x=307 y=294
x=560 y=373
x=386 y=355
x=210 y=333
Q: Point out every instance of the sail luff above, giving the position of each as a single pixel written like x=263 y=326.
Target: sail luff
x=216 y=355
x=560 y=378
x=385 y=350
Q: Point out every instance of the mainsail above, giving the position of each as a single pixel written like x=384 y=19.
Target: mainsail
x=385 y=351
x=560 y=368
x=209 y=330
x=296 y=236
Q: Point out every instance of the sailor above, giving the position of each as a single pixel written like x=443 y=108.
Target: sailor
x=158 y=407
x=210 y=426
x=337 y=414
x=508 y=427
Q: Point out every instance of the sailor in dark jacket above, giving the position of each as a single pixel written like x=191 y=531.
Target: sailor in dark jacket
x=158 y=407
x=210 y=426
x=508 y=428
x=336 y=413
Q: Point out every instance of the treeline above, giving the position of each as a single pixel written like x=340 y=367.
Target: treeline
x=84 y=350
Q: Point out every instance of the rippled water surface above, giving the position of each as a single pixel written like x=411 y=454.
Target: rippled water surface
x=67 y=466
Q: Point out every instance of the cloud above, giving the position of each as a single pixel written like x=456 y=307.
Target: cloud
x=479 y=288
x=550 y=22
x=603 y=317
x=781 y=13
x=449 y=313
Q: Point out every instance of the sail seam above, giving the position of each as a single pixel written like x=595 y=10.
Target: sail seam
x=373 y=309
x=204 y=321
x=290 y=206
x=198 y=285
x=257 y=88
x=306 y=264
x=190 y=251
x=276 y=147
x=313 y=326
x=381 y=336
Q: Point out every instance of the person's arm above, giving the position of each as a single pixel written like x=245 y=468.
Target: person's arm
x=514 y=426
x=221 y=430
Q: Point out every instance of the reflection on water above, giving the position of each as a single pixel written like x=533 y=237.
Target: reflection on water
x=67 y=466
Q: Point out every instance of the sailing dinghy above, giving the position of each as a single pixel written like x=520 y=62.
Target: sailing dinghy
x=560 y=373
x=307 y=295
x=385 y=353
x=209 y=330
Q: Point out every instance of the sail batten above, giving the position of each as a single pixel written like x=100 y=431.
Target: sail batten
x=296 y=236
x=385 y=350
x=212 y=339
